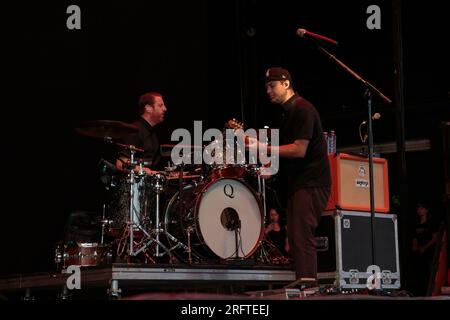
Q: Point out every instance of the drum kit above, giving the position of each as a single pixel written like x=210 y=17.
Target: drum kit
x=183 y=214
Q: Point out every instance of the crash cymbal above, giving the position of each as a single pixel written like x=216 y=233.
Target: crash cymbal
x=106 y=129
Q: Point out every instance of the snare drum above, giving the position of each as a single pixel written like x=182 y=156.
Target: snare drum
x=228 y=171
x=85 y=254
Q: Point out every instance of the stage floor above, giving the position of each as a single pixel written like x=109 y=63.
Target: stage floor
x=126 y=279
x=169 y=282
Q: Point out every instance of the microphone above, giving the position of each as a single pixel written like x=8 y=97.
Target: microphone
x=376 y=116
x=303 y=33
x=233 y=224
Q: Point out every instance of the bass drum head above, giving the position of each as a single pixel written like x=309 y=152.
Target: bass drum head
x=224 y=216
x=226 y=205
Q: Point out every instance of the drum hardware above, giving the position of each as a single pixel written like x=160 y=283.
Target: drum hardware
x=230 y=220
x=154 y=235
x=262 y=191
x=170 y=167
x=59 y=256
x=106 y=225
x=104 y=222
x=108 y=173
x=181 y=188
x=270 y=254
x=158 y=187
x=236 y=227
x=188 y=232
x=131 y=148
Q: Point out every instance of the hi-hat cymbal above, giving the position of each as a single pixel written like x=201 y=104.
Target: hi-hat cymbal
x=106 y=129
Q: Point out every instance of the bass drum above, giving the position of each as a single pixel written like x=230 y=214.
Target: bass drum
x=221 y=219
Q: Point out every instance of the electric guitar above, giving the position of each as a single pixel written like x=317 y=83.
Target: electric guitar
x=235 y=125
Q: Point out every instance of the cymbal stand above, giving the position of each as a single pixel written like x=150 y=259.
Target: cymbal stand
x=263 y=195
x=158 y=189
x=104 y=223
x=106 y=199
x=132 y=220
x=261 y=190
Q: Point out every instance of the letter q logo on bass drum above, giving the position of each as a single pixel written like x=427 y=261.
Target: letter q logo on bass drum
x=228 y=191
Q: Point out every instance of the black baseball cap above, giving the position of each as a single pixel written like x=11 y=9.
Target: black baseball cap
x=277 y=73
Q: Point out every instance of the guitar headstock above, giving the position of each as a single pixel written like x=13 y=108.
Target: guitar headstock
x=234 y=124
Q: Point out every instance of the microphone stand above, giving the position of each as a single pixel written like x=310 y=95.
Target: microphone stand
x=370 y=90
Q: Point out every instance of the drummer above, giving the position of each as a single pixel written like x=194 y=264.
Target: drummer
x=151 y=113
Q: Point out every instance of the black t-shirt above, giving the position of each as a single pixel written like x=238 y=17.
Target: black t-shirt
x=301 y=121
x=423 y=233
x=146 y=139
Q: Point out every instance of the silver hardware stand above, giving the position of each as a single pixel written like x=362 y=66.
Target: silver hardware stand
x=263 y=253
x=134 y=222
x=159 y=187
x=262 y=192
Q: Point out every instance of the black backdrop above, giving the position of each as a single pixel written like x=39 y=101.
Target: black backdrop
x=208 y=59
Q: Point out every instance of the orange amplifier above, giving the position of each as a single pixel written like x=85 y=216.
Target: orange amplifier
x=351 y=185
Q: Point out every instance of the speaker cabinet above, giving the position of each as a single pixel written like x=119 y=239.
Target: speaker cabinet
x=351 y=183
x=347 y=260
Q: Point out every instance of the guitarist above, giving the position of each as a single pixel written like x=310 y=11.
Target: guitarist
x=304 y=161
